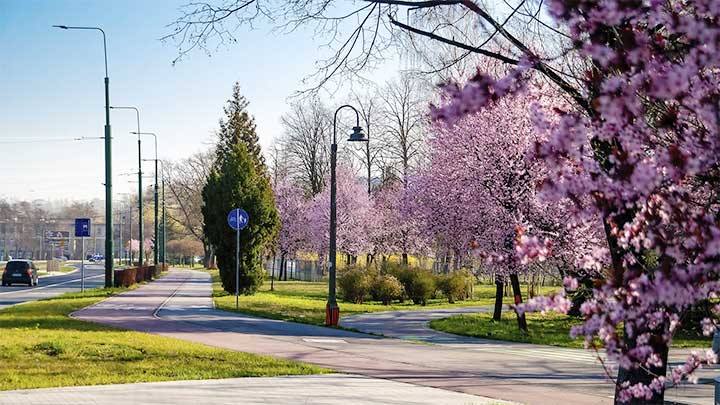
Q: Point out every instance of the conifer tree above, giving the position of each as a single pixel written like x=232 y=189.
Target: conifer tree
x=238 y=180
x=239 y=126
x=235 y=183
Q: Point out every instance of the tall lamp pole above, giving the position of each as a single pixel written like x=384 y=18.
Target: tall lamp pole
x=164 y=229
x=332 y=310
x=108 y=164
x=140 y=200
x=156 y=234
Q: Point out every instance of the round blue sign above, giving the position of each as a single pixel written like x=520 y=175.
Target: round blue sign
x=238 y=219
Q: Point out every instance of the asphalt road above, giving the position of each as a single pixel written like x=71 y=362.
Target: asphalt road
x=180 y=305
x=52 y=286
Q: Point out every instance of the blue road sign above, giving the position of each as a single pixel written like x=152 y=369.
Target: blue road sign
x=82 y=227
x=238 y=219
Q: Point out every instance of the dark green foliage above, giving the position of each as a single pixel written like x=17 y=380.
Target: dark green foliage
x=235 y=183
x=239 y=126
x=354 y=284
x=457 y=285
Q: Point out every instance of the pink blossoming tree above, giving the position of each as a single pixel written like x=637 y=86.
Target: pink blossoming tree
x=641 y=151
x=354 y=217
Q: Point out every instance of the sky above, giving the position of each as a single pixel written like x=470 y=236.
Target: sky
x=51 y=90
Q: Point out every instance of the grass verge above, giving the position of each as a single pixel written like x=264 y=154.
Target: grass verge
x=304 y=302
x=41 y=346
x=548 y=329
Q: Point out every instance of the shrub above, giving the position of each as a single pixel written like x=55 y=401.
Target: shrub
x=386 y=288
x=420 y=285
x=457 y=285
x=354 y=284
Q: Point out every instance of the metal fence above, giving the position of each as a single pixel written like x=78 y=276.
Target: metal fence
x=302 y=270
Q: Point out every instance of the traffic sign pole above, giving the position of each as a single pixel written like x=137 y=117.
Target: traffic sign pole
x=82 y=265
x=237 y=219
x=82 y=230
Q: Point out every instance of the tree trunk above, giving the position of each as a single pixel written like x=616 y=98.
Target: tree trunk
x=272 y=274
x=283 y=267
x=499 y=283
x=643 y=375
x=405 y=258
x=515 y=283
x=206 y=255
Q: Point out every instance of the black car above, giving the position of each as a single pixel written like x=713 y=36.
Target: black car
x=20 y=271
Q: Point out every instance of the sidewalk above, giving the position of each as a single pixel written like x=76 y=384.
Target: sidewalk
x=179 y=305
x=319 y=389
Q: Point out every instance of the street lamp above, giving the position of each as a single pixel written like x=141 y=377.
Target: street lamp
x=155 y=247
x=140 y=200
x=108 y=164
x=163 y=234
x=332 y=311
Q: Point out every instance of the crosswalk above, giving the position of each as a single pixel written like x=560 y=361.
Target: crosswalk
x=544 y=353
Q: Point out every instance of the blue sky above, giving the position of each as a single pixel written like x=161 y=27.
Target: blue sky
x=51 y=86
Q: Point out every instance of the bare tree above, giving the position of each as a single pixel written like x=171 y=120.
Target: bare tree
x=368 y=106
x=278 y=164
x=436 y=35
x=187 y=178
x=402 y=109
x=308 y=128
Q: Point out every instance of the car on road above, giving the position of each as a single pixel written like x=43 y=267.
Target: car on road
x=20 y=271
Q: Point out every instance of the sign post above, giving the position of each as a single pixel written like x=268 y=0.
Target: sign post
x=237 y=219
x=82 y=230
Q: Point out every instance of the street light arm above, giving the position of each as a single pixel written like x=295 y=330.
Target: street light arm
x=67 y=27
x=154 y=135
x=137 y=114
x=357 y=119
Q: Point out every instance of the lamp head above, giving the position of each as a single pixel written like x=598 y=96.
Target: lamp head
x=358 y=135
x=61 y=26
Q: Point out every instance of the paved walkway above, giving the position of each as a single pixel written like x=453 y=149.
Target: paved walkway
x=415 y=325
x=179 y=305
x=317 y=389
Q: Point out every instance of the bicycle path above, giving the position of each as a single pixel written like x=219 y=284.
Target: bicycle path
x=180 y=306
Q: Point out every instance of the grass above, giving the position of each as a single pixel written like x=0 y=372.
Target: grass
x=549 y=329
x=42 y=266
x=41 y=346
x=304 y=302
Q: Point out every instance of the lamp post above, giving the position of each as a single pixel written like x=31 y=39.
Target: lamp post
x=332 y=311
x=108 y=164
x=155 y=247
x=140 y=200
x=164 y=229
x=42 y=237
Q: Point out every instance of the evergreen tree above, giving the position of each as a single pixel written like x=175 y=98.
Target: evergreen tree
x=239 y=126
x=234 y=182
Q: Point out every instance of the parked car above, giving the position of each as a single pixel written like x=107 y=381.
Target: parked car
x=20 y=271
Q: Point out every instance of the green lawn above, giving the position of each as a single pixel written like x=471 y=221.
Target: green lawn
x=549 y=329
x=64 y=268
x=301 y=301
x=40 y=346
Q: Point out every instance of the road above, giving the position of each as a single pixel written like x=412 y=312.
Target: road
x=52 y=286
x=180 y=306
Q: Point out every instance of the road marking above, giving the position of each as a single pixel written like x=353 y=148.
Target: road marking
x=48 y=286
